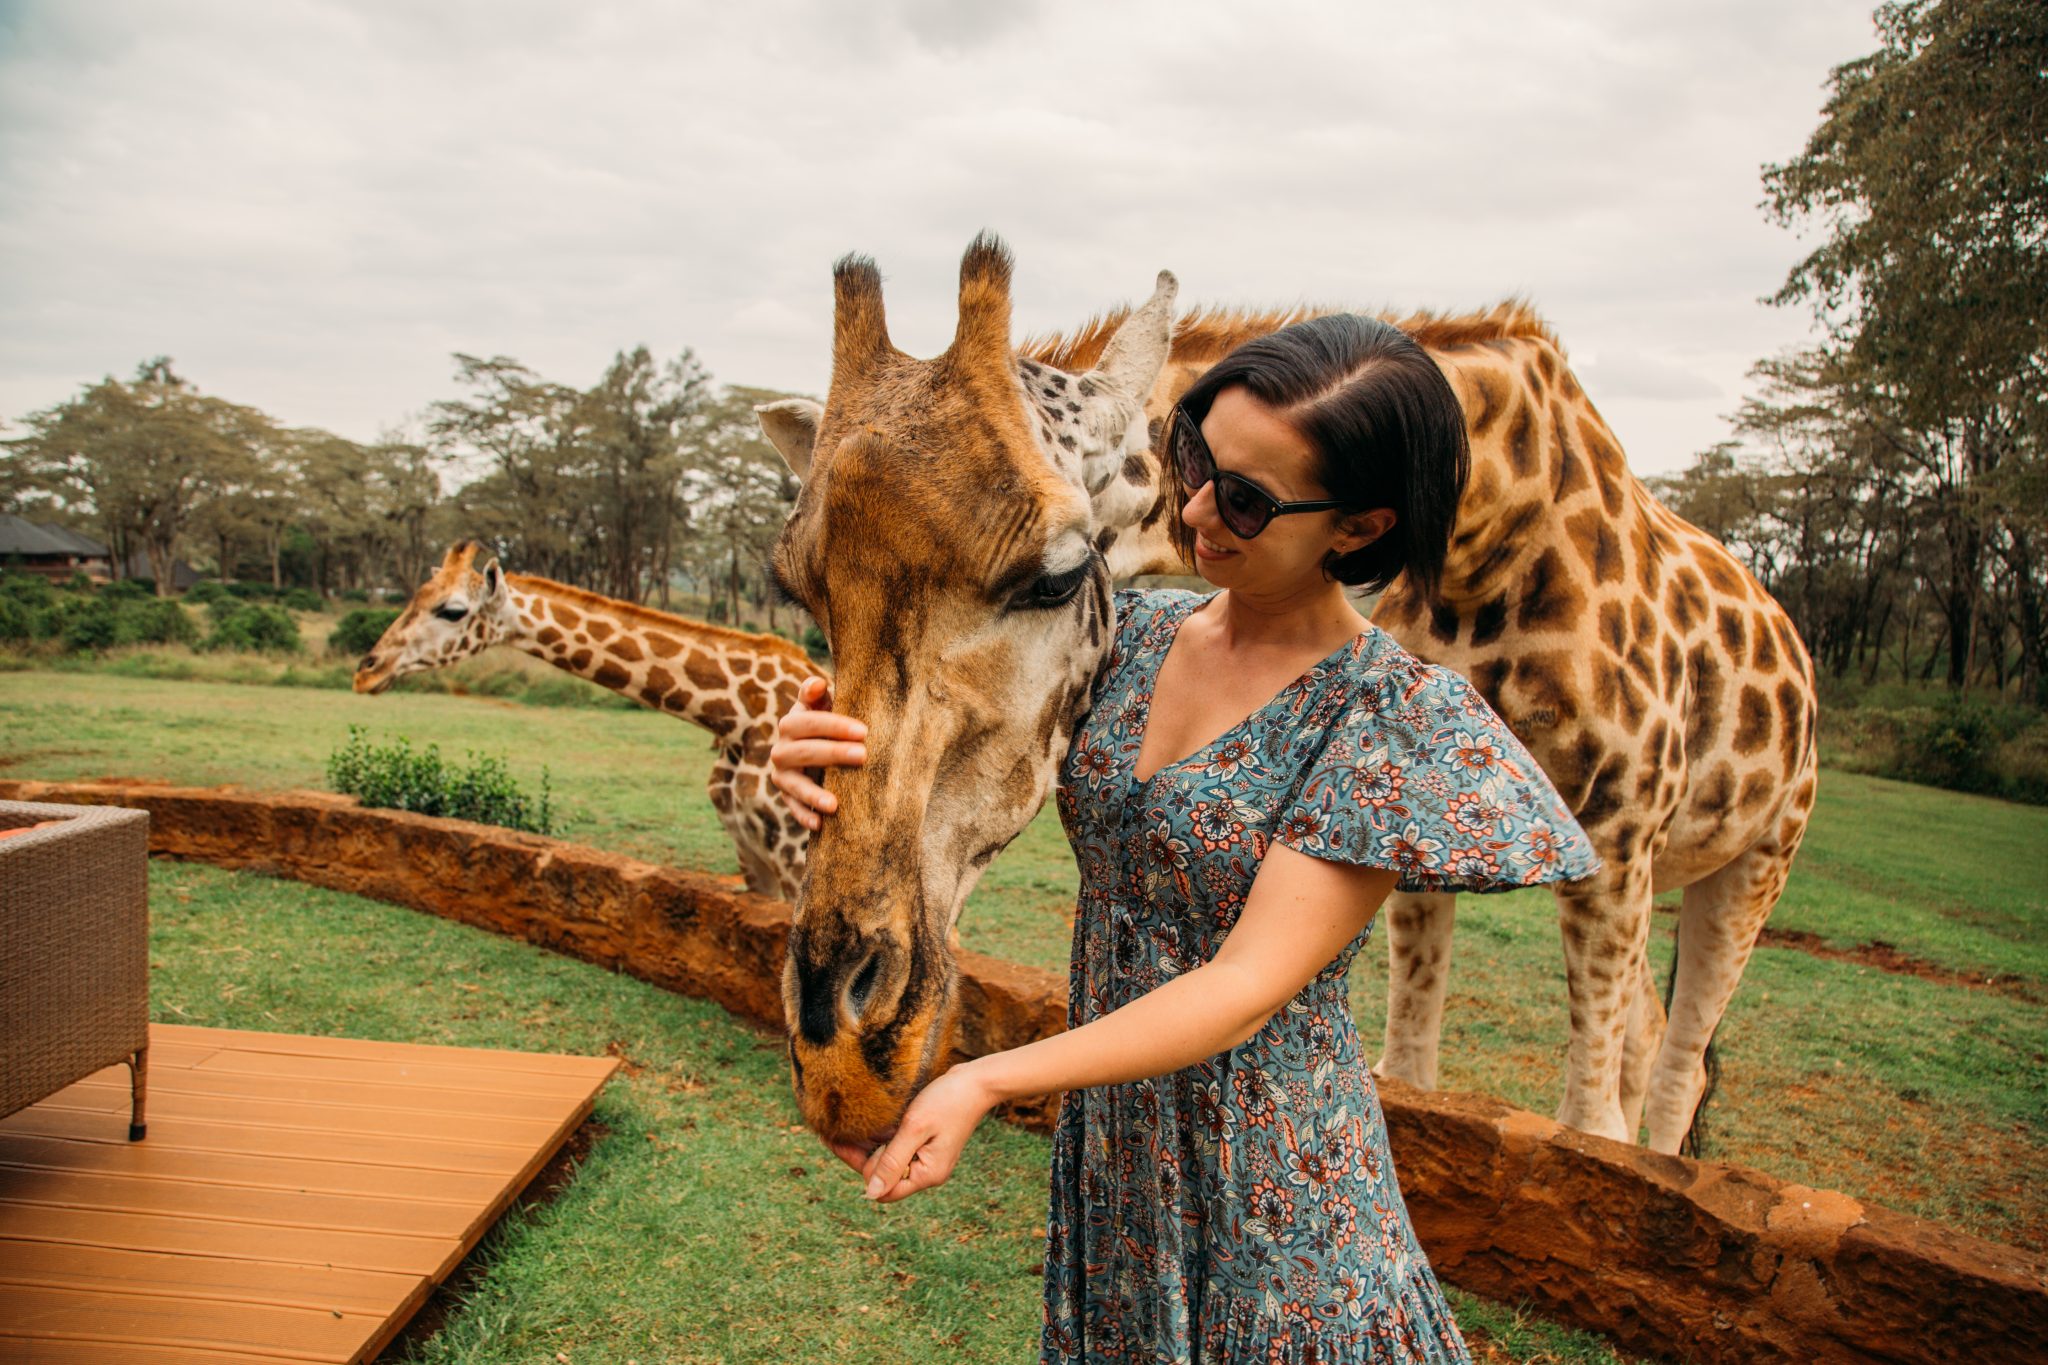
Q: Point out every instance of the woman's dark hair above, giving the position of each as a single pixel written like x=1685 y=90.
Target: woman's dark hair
x=1386 y=427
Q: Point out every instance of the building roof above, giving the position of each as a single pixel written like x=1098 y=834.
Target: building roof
x=19 y=536
x=84 y=545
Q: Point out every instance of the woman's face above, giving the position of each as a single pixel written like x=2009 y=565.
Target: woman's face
x=1250 y=439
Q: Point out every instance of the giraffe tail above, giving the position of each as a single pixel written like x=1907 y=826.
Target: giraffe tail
x=1694 y=1143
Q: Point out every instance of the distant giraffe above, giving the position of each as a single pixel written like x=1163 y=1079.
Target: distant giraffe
x=734 y=684
x=1665 y=693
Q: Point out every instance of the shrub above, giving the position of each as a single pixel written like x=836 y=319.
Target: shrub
x=17 y=621
x=398 y=777
x=92 y=626
x=203 y=594
x=154 y=622
x=354 y=594
x=127 y=590
x=356 y=632
x=814 y=642
x=31 y=590
x=253 y=628
x=249 y=592
x=78 y=582
x=303 y=599
x=397 y=599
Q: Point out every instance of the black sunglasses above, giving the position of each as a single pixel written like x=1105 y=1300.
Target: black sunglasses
x=1244 y=507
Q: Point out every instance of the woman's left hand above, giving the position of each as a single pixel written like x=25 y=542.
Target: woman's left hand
x=927 y=1144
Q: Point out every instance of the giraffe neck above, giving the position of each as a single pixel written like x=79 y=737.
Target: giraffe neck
x=727 y=681
x=1546 y=473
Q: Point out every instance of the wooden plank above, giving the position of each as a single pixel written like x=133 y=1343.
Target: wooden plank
x=404 y=1099
x=116 y=1270
x=474 y=1155
x=449 y=1079
x=338 y=1118
x=228 y=1204
x=52 y=1351
x=150 y=1159
x=140 y=1319
x=305 y=1045
x=208 y=1237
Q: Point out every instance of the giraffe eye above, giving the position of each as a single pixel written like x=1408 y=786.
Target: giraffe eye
x=1054 y=589
x=451 y=613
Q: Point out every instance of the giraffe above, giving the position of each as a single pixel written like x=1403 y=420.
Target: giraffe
x=734 y=684
x=1663 y=691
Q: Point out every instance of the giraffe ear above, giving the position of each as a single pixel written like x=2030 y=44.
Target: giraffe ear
x=1136 y=354
x=791 y=426
x=493 y=580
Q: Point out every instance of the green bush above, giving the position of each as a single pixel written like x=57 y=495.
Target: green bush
x=203 y=594
x=154 y=622
x=78 y=582
x=815 y=643
x=17 y=621
x=250 y=592
x=96 y=625
x=253 y=628
x=398 y=777
x=303 y=599
x=127 y=590
x=31 y=590
x=397 y=599
x=356 y=632
x=354 y=594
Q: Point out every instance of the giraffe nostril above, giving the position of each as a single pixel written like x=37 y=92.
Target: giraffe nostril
x=369 y=662
x=863 y=984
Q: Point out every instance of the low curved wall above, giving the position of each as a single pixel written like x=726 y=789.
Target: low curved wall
x=1687 y=1259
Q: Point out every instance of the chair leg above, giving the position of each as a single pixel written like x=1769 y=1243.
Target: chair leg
x=138 y=1071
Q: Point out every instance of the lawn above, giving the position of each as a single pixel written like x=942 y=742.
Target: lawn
x=1929 y=1096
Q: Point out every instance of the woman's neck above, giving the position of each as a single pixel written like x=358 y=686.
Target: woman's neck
x=1314 y=615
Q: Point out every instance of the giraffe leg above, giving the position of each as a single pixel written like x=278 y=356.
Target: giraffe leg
x=1606 y=926
x=1639 y=1046
x=1719 y=922
x=1418 y=972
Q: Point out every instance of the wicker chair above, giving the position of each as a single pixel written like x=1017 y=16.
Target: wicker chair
x=74 y=950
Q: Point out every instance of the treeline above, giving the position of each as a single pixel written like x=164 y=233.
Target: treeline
x=654 y=474
x=1888 y=484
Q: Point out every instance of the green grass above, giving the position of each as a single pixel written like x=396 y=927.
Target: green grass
x=1930 y=1098
x=704 y=1225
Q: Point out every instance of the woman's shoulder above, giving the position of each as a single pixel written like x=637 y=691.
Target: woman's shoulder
x=1138 y=610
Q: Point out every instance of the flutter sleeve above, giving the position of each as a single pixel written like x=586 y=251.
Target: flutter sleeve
x=1414 y=771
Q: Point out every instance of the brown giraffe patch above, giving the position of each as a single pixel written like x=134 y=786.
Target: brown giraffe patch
x=625 y=648
x=703 y=670
x=1522 y=442
x=753 y=696
x=660 y=679
x=568 y=616
x=549 y=636
x=610 y=675
x=1752 y=720
x=580 y=660
x=718 y=712
x=1550 y=599
x=1728 y=622
x=663 y=646
x=1492 y=395
x=1614 y=628
x=600 y=631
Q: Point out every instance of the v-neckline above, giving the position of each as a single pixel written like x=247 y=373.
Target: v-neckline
x=1145 y=722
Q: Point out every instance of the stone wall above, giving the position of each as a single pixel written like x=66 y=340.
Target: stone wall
x=1684 y=1259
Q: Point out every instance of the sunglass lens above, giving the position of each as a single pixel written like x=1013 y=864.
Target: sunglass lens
x=1190 y=459
x=1241 y=508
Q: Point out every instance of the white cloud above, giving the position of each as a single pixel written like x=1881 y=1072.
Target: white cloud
x=311 y=204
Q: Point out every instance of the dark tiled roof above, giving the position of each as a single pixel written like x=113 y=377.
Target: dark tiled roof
x=19 y=536
x=84 y=545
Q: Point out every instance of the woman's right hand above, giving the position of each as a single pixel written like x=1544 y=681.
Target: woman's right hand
x=811 y=738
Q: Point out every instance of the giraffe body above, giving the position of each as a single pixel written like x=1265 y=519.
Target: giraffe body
x=731 y=683
x=1665 y=694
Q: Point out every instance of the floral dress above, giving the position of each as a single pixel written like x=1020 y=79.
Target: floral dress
x=1245 y=1208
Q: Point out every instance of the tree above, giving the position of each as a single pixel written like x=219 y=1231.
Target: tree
x=142 y=459
x=740 y=493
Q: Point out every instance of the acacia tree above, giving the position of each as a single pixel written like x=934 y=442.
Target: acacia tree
x=143 y=459
x=1928 y=180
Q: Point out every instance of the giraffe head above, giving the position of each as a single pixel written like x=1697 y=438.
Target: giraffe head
x=951 y=540
x=460 y=611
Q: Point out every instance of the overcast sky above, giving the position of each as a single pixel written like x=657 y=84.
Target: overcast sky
x=311 y=204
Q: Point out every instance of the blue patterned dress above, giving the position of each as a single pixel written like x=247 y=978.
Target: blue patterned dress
x=1245 y=1208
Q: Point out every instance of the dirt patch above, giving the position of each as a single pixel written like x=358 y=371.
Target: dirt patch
x=1883 y=957
x=548 y=1182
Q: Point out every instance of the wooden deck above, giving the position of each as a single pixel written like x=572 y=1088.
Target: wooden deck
x=296 y=1198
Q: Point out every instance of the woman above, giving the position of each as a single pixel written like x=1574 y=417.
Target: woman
x=1260 y=768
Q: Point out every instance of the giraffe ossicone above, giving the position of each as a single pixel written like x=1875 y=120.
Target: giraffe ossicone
x=734 y=684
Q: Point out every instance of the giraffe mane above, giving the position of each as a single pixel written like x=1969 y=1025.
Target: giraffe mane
x=1209 y=334
x=598 y=603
